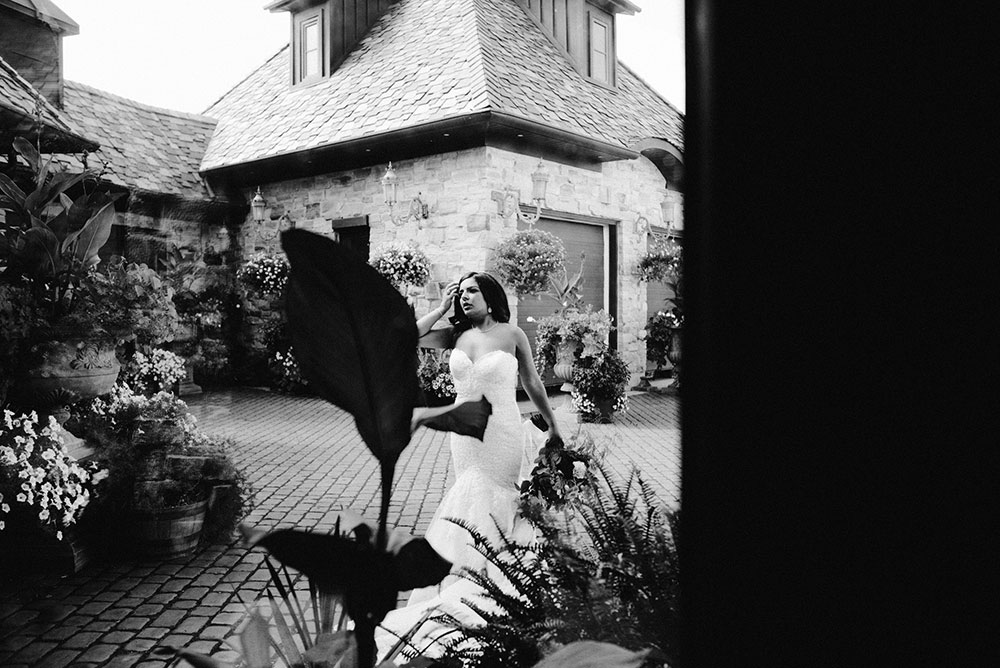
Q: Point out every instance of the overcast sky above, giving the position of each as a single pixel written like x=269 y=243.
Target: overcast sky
x=185 y=54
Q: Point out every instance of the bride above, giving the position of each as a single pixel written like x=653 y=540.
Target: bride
x=489 y=355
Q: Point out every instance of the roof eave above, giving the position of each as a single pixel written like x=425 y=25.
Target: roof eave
x=485 y=128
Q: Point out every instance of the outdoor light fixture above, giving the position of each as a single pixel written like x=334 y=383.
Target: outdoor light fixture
x=418 y=209
x=258 y=207
x=508 y=201
x=642 y=225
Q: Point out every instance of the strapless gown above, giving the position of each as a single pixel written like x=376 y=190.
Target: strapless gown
x=484 y=496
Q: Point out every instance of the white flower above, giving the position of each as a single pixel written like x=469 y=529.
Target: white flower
x=579 y=470
x=5 y=508
x=59 y=535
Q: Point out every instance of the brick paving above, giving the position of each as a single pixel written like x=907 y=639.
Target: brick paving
x=306 y=462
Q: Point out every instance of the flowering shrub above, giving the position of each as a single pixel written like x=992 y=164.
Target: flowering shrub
x=659 y=331
x=156 y=372
x=401 y=265
x=286 y=369
x=587 y=328
x=434 y=375
x=663 y=262
x=124 y=412
x=560 y=474
x=264 y=274
x=597 y=379
x=526 y=260
x=37 y=474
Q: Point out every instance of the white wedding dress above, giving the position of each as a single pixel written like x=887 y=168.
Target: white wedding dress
x=485 y=496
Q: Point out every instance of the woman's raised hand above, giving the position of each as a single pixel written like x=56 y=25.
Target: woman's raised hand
x=449 y=294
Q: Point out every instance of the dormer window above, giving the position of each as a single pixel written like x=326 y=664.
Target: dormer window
x=601 y=46
x=310 y=46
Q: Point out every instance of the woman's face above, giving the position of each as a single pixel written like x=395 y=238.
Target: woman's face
x=471 y=299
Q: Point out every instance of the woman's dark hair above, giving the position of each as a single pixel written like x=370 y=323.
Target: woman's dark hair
x=496 y=301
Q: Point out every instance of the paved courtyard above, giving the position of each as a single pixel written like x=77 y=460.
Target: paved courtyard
x=306 y=462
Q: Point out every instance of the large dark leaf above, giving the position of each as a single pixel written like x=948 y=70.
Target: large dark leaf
x=369 y=578
x=334 y=561
x=29 y=153
x=88 y=241
x=467 y=418
x=37 y=253
x=11 y=190
x=355 y=339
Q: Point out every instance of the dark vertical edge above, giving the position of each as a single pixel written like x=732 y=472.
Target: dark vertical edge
x=350 y=31
x=613 y=263
x=338 y=40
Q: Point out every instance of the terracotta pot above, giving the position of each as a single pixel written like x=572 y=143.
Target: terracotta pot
x=169 y=532
x=69 y=371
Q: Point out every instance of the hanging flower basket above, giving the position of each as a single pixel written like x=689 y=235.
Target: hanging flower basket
x=264 y=274
x=527 y=260
x=663 y=262
x=401 y=265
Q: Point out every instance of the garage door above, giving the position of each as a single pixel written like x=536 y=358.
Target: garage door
x=593 y=242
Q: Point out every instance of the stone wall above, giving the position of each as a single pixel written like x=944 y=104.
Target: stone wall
x=464 y=226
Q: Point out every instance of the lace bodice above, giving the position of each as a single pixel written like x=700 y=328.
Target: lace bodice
x=493 y=375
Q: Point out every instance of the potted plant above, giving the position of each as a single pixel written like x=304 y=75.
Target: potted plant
x=665 y=263
x=663 y=330
x=599 y=383
x=401 y=265
x=159 y=371
x=437 y=387
x=527 y=260
x=569 y=336
x=77 y=314
x=163 y=472
x=43 y=494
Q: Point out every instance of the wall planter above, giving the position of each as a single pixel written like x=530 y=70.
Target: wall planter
x=169 y=532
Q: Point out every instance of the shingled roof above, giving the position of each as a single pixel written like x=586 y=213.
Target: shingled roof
x=18 y=99
x=146 y=148
x=432 y=60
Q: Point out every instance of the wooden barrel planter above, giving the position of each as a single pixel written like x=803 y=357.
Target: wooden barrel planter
x=169 y=532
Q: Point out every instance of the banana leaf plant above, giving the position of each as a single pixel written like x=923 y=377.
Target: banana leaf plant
x=355 y=339
x=50 y=242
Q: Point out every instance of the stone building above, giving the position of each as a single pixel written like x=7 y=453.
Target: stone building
x=466 y=98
